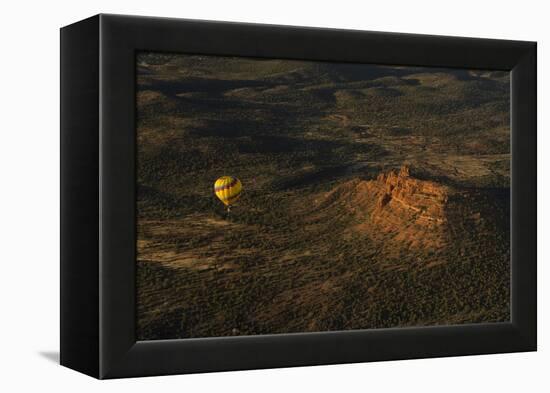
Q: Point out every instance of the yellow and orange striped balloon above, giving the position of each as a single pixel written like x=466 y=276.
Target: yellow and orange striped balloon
x=228 y=189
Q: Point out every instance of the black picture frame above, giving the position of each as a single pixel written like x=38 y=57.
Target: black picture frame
x=98 y=223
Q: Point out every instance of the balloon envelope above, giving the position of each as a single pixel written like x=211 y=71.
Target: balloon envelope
x=228 y=189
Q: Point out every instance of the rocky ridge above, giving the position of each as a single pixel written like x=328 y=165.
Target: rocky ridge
x=405 y=212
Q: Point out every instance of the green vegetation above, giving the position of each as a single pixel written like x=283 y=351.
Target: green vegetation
x=292 y=131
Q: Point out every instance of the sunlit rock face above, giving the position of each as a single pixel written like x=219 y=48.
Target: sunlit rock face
x=406 y=213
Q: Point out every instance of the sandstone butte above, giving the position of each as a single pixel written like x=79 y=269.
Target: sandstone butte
x=403 y=212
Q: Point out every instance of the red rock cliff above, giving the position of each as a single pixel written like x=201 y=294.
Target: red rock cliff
x=397 y=208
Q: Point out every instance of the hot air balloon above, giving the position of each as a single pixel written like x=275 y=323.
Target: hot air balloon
x=228 y=190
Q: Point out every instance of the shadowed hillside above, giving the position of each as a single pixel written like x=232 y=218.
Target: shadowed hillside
x=373 y=196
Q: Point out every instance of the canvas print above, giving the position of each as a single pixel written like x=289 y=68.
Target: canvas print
x=280 y=196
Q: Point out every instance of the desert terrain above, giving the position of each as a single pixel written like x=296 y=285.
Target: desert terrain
x=373 y=196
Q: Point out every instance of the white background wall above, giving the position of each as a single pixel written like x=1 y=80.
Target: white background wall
x=29 y=194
